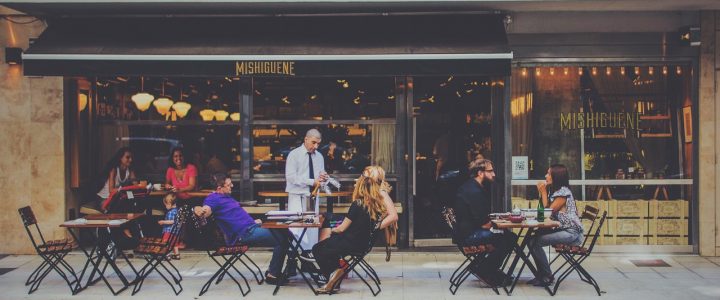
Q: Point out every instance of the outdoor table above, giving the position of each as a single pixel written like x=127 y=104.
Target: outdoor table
x=519 y=249
x=330 y=196
x=100 y=251
x=294 y=247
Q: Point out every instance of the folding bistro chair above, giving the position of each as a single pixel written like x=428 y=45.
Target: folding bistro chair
x=575 y=255
x=155 y=252
x=229 y=255
x=474 y=255
x=353 y=260
x=52 y=252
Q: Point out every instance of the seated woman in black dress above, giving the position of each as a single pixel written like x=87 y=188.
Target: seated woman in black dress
x=371 y=203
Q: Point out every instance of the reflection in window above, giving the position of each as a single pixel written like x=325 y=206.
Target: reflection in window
x=323 y=98
x=345 y=148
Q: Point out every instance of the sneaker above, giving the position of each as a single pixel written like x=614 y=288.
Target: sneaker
x=307 y=256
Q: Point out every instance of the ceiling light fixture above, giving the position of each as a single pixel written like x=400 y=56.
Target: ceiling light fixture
x=142 y=99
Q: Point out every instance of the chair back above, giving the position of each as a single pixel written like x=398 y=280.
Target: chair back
x=182 y=216
x=28 y=218
x=590 y=213
x=597 y=232
x=374 y=234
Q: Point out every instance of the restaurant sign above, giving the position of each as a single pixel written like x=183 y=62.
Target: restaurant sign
x=286 y=68
x=590 y=120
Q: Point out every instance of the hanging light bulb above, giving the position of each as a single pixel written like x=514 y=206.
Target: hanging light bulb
x=552 y=71
x=163 y=104
x=566 y=70
x=235 y=116
x=142 y=99
x=664 y=70
x=207 y=115
x=580 y=71
x=608 y=71
x=221 y=115
x=622 y=70
x=181 y=107
x=594 y=71
x=523 y=71
x=537 y=71
x=651 y=70
x=637 y=70
x=678 y=70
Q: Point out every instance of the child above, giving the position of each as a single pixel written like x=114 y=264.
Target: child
x=169 y=202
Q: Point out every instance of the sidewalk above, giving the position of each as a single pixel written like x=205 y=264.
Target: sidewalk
x=409 y=275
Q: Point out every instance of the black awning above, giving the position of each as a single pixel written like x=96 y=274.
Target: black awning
x=312 y=45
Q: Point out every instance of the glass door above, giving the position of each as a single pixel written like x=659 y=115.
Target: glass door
x=451 y=125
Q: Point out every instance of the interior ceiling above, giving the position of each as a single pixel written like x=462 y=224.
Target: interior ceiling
x=249 y=7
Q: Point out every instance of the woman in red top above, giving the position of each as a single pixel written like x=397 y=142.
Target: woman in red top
x=181 y=177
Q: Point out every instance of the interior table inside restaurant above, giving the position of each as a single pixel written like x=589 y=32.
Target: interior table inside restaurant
x=528 y=228
x=283 y=196
x=103 y=250
x=280 y=231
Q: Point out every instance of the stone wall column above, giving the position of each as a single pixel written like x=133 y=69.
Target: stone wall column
x=707 y=135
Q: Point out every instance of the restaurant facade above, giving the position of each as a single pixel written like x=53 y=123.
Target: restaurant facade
x=630 y=109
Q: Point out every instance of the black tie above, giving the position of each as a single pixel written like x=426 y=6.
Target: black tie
x=312 y=171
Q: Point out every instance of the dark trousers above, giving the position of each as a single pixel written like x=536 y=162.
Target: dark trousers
x=503 y=243
x=328 y=252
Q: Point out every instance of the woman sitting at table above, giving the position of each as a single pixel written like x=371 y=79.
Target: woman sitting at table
x=570 y=232
x=181 y=177
x=371 y=204
x=119 y=173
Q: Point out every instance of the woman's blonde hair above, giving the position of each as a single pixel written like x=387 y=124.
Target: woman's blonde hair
x=367 y=191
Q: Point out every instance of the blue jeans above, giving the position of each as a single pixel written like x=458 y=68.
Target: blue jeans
x=263 y=237
x=545 y=238
x=503 y=243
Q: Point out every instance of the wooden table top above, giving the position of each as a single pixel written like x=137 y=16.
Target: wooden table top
x=506 y=224
x=200 y=193
x=285 y=194
x=102 y=221
x=282 y=225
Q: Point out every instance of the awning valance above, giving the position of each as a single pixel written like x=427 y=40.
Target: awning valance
x=272 y=46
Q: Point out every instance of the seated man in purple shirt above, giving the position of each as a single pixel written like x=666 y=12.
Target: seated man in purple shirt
x=239 y=227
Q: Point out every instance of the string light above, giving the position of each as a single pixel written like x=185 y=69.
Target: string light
x=552 y=71
x=566 y=70
x=622 y=71
x=608 y=70
x=580 y=71
x=637 y=70
x=523 y=72
x=651 y=70
x=537 y=71
x=594 y=71
x=664 y=70
x=678 y=70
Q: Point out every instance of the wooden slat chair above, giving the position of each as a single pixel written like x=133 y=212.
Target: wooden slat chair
x=355 y=259
x=574 y=255
x=225 y=257
x=474 y=255
x=155 y=252
x=52 y=252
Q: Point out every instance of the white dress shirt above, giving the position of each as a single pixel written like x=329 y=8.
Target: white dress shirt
x=297 y=170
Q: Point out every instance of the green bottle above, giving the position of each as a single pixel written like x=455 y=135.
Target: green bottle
x=540 y=211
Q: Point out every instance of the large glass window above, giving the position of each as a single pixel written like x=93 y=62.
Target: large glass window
x=625 y=134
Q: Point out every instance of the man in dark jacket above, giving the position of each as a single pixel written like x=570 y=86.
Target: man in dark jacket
x=472 y=209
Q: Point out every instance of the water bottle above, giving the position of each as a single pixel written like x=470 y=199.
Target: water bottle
x=540 y=211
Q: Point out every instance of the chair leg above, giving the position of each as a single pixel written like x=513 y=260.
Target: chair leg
x=259 y=275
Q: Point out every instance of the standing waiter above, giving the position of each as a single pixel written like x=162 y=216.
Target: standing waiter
x=304 y=169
